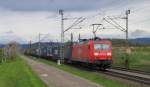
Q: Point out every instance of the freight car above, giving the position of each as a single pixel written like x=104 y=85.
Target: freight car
x=97 y=52
x=48 y=50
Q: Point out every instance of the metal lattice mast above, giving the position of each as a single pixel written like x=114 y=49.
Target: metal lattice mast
x=62 y=36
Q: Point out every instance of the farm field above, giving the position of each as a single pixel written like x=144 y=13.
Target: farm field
x=139 y=58
x=17 y=73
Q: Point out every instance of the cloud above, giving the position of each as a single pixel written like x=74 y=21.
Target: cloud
x=54 y=5
x=140 y=33
x=26 y=18
x=10 y=36
x=27 y=25
x=9 y=32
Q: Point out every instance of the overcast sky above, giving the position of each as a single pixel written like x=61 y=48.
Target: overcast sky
x=22 y=20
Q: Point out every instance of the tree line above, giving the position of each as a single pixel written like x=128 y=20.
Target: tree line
x=9 y=52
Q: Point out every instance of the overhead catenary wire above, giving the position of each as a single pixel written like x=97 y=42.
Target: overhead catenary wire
x=112 y=24
x=79 y=20
x=121 y=28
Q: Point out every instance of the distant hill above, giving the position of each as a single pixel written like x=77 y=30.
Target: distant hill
x=2 y=45
x=24 y=46
x=132 y=42
x=42 y=44
x=116 y=42
x=10 y=37
x=141 y=41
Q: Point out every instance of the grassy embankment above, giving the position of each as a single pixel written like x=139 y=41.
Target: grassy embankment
x=17 y=73
x=139 y=58
x=92 y=76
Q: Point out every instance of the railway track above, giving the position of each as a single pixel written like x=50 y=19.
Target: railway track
x=132 y=70
x=138 y=76
x=134 y=76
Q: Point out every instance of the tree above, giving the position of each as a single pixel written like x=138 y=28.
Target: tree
x=1 y=55
x=11 y=50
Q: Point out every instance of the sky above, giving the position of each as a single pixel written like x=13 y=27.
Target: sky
x=23 y=20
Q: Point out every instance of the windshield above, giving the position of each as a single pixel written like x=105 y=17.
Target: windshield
x=101 y=46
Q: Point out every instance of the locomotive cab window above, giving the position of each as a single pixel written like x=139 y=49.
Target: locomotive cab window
x=101 y=46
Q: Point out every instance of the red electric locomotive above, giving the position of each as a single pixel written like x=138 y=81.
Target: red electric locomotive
x=94 y=51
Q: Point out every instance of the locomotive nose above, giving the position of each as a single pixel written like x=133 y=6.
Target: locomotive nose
x=102 y=55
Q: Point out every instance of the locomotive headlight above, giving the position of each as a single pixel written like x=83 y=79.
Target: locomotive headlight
x=108 y=54
x=96 y=54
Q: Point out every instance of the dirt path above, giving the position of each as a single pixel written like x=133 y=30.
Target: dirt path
x=54 y=77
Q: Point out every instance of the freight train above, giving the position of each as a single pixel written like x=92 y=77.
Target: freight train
x=97 y=52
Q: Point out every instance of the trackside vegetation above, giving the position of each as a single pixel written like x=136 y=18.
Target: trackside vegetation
x=92 y=76
x=14 y=71
x=9 y=52
x=139 y=58
x=18 y=74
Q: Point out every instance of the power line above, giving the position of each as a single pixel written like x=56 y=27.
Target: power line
x=116 y=25
x=112 y=24
x=122 y=29
x=79 y=20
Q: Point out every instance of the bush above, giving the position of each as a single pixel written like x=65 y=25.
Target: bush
x=9 y=52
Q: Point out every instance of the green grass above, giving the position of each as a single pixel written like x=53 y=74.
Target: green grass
x=139 y=58
x=18 y=74
x=92 y=76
